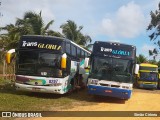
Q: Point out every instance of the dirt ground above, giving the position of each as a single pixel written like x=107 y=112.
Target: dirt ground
x=141 y=100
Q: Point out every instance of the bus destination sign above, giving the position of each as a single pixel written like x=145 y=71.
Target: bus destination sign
x=116 y=52
x=41 y=45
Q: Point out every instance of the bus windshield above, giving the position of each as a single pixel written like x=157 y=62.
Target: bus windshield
x=39 y=64
x=149 y=76
x=112 y=69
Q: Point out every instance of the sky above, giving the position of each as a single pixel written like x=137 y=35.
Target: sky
x=122 y=21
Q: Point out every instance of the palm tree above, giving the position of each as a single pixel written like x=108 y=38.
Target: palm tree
x=54 y=33
x=11 y=38
x=153 y=61
x=33 y=23
x=72 y=32
x=84 y=40
x=141 y=59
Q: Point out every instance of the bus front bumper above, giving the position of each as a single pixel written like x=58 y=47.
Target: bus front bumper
x=109 y=91
x=44 y=89
x=149 y=86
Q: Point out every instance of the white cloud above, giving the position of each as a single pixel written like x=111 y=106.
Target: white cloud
x=146 y=47
x=114 y=40
x=128 y=22
x=58 y=10
x=144 y=50
x=109 y=26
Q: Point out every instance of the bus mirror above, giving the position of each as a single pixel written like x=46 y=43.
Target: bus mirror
x=86 y=62
x=136 y=69
x=64 y=61
x=9 y=55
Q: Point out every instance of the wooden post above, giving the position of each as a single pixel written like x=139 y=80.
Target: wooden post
x=4 y=66
x=14 y=69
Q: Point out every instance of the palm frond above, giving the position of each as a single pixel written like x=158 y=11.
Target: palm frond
x=48 y=25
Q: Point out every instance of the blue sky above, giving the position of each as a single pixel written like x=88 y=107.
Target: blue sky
x=106 y=20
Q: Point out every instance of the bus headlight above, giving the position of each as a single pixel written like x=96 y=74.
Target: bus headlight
x=93 y=81
x=125 y=87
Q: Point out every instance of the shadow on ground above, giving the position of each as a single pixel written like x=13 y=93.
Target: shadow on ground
x=80 y=95
x=152 y=91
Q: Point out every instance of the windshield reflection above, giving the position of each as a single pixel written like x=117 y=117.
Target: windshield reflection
x=149 y=76
x=112 y=69
x=39 y=63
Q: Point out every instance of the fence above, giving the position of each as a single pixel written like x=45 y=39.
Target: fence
x=7 y=70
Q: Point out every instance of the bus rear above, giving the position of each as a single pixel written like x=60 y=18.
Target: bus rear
x=112 y=68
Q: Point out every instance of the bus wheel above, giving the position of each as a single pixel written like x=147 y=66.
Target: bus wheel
x=70 y=91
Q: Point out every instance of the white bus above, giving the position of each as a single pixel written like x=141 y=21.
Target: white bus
x=49 y=64
x=112 y=69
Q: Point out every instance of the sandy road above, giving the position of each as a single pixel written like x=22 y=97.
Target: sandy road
x=142 y=100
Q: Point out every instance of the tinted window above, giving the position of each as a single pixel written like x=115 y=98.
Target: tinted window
x=82 y=54
x=85 y=54
x=78 y=52
x=74 y=52
x=110 y=69
x=68 y=50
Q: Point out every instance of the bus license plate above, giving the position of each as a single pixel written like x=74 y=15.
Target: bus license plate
x=108 y=91
x=36 y=89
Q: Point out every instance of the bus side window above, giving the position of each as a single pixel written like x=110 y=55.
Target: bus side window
x=85 y=54
x=82 y=54
x=74 y=52
x=78 y=53
x=68 y=49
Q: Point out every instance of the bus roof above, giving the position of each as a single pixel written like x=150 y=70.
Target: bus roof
x=59 y=38
x=148 y=65
x=112 y=43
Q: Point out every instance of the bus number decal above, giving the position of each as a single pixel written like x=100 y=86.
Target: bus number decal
x=53 y=81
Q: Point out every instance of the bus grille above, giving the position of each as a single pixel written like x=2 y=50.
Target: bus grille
x=115 y=86
x=104 y=84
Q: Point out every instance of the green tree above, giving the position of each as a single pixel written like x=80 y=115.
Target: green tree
x=153 y=62
x=141 y=59
x=72 y=32
x=32 y=23
x=10 y=39
x=154 y=27
x=158 y=63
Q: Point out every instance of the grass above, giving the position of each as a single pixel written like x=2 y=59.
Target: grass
x=12 y=100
